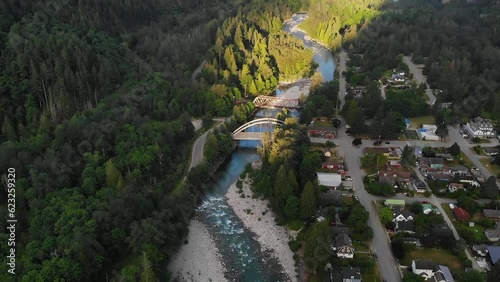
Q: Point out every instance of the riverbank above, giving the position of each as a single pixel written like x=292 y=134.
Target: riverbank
x=199 y=259
x=258 y=218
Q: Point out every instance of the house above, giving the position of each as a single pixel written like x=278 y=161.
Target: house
x=461 y=214
x=493 y=235
x=428 y=132
x=428 y=208
x=442 y=231
x=458 y=170
x=491 y=214
x=447 y=157
x=333 y=164
x=343 y=246
x=331 y=180
x=493 y=254
x=394 y=203
x=423 y=267
x=419 y=186
x=490 y=151
x=394 y=163
x=403 y=215
x=436 y=163
x=480 y=128
x=392 y=176
x=351 y=274
x=442 y=274
x=481 y=250
x=454 y=187
x=440 y=177
x=405 y=226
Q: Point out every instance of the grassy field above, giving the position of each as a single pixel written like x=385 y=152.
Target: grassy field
x=494 y=169
x=437 y=255
x=417 y=122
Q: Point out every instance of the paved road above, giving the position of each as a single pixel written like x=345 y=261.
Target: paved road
x=342 y=83
x=420 y=78
x=380 y=243
x=386 y=262
x=199 y=144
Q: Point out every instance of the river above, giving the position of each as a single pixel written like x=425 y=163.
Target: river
x=240 y=252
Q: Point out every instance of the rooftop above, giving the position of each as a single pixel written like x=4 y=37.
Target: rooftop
x=494 y=252
x=424 y=264
x=329 y=179
x=491 y=213
x=351 y=273
x=461 y=214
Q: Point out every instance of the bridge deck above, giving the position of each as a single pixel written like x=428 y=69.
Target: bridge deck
x=248 y=136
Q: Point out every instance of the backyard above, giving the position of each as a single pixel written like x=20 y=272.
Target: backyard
x=494 y=169
x=472 y=234
x=438 y=256
x=417 y=122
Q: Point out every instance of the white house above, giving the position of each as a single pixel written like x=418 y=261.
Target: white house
x=480 y=128
x=343 y=246
x=428 y=132
x=403 y=215
x=453 y=187
x=329 y=179
x=423 y=267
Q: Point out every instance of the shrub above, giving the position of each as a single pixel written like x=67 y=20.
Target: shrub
x=294 y=245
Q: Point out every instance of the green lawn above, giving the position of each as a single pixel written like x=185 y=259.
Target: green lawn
x=476 y=232
x=437 y=255
x=323 y=123
x=462 y=160
x=417 y=122
x=494 y=169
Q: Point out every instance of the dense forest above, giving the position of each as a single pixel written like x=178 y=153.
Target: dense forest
x=457 y=42
x=95 y=106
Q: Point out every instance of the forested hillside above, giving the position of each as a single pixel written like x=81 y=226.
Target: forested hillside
x=251 y=49
x=332 y=21
x=96 y=100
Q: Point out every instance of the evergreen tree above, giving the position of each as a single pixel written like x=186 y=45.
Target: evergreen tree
x=308 y=202
x=317 y=247
x=292 y=207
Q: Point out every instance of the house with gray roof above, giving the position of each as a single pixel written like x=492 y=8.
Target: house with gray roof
x=493 y=253
x=442 y=274
x=423 y=267
x=343 y=246
x=491 y=214
x=351 y=274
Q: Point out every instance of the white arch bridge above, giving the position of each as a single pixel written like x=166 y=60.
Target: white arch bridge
x=265 y=125
x=275 y=102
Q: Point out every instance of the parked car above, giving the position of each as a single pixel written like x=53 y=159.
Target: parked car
x=377 y=143
x=375 y=257
x=387 y=142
